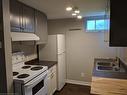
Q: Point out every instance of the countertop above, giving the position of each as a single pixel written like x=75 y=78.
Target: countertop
x=43 y=62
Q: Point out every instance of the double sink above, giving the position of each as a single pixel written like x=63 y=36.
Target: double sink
x=108 y=66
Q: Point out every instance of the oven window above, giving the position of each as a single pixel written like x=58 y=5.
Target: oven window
x=38 y=87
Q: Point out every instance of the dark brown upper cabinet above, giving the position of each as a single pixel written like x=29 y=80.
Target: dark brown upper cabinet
x=22 y=17
x=28 y=19
x=41 y=27
x=118 y=25
x=15 y=15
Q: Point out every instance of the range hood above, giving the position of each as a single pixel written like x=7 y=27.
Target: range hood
x=24 y=36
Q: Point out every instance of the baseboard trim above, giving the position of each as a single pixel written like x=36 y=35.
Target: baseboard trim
x=78 y=82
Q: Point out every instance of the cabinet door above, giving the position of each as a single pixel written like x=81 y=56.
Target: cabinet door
x=41 y=27
x=118 y=26
x=49 y=86
x=61 y=71
x=54 y=84
x=28 y=19
x=15 y=15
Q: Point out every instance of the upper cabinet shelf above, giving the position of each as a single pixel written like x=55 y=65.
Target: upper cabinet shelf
x=118 y=26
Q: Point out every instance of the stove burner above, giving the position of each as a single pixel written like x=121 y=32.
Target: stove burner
x=23 y=76
x=26 y=67
x=15 y=73
x=36 y=68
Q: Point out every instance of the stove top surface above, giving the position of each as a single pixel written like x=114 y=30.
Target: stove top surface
x=27 y=72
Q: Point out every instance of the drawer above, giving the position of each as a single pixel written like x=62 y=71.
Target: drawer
x=52 y=70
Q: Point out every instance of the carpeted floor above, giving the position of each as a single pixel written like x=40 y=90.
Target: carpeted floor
x=71 y=89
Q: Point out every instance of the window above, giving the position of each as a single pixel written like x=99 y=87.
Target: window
x=97 y=24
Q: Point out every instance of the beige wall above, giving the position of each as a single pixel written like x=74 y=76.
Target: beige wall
x=81 y=48
x=125 y=54
x=122 y=54
x=62 y=25
x=49 y=51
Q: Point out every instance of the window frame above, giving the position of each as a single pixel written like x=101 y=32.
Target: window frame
x=95 y=18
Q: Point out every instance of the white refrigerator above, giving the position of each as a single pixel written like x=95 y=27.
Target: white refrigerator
x=54 y=50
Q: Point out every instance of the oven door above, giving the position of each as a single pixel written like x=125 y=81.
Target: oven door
x=37 y=86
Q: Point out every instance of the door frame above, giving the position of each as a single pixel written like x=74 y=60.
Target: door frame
x=3 y=81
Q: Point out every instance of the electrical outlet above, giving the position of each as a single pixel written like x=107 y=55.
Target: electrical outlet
x=82 y=75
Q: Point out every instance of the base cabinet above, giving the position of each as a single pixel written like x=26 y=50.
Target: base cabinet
x=52 y=80
x=49 y=86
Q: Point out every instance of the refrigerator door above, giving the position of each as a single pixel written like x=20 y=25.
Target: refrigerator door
x=61 y=71
x=61 y=43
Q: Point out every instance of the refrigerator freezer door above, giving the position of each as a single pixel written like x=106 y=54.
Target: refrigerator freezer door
x=61 y=43
x=61 y=71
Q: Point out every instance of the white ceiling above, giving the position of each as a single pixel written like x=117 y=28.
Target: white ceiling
x=55 y=9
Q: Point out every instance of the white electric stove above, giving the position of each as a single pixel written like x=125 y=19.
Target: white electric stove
x=28 y=79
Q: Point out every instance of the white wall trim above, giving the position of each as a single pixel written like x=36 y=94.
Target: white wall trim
x=78 y=82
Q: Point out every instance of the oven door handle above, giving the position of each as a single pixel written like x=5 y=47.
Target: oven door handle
x=36 y=80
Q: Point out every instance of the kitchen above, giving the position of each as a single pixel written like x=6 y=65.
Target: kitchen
x=45 y=38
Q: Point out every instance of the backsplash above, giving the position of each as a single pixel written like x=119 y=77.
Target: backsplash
x=29 y=49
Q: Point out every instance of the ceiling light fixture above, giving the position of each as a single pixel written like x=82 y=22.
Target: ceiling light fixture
x=68 y=8
x=79 y=17
x=77 y=11
x=74 y=14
